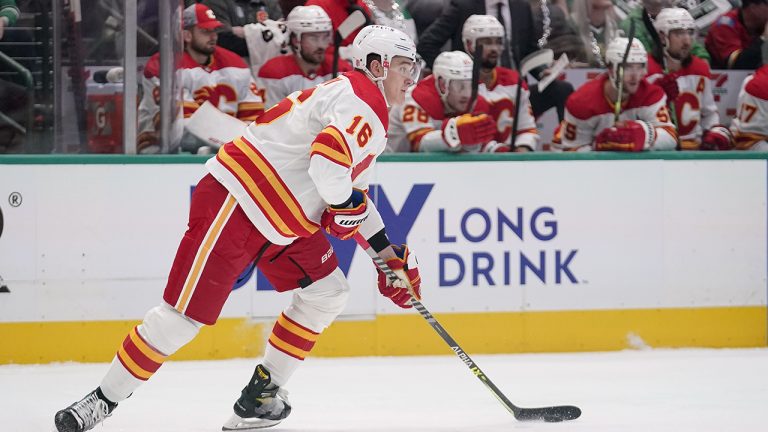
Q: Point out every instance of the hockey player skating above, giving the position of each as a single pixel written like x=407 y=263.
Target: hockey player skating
x=498 y=85
x=644 y=121
x=309 y=33
x=301 y=169
x=687 y=81
x=750 y=126
x=436 y=116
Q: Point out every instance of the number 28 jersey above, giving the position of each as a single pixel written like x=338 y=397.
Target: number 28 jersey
x=305 y=153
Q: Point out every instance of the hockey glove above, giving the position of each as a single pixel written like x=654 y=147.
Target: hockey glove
x=626 y=136
x=406 y=267
x=468 y=129
x=495 y=147
x=669 y=84
x=717 y=138
x=343 y=221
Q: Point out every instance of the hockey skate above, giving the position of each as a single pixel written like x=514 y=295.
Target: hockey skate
x=84 y=414
x=261 y=404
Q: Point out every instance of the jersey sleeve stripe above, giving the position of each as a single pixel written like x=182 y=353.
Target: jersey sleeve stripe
x=414 y=138
x=362 y=166
x=745 y=140
x=331 y=145
x=190 y=108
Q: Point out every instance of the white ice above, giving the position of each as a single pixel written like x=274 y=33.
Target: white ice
x=653 y=390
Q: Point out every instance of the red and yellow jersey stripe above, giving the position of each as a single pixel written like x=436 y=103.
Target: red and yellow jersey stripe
x=266 y=188
x=745 y=140
x=292 y=338
x=331 y=144
x=249 y=111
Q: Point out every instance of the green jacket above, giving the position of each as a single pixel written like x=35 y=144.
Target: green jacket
x=9 y=10
x=644 y=35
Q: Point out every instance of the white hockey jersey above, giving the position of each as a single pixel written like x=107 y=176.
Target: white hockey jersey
x=695 y=109
x=282 y=76
x=305 y=153
x=500 y=95
x=750 y=126
x=417 y=124
x=225 y=82
x=588 y=111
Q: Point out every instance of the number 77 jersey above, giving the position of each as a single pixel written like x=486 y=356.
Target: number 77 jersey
x=750 y=126
x=304 y=153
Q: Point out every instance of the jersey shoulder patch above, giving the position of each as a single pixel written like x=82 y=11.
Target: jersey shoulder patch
x=584 y=102
x=506 y=76
x=758 y=85
x=369 y=93
x=226 y=58
x=280 y=67
x=425 y=94
x=647 y=95
x=152 y=68
x=698 y=67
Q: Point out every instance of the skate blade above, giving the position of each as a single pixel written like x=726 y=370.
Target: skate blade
x=237 y=423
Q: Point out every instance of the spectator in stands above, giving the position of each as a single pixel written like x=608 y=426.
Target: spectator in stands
x=687 y=82
x=517 y=19
x=734 y=40
x=234 y=14
x=597 y=25
x=208 y=73
x=643 y=121
x=643 y=17
x=8 y=15
x=438 y=115
x=309 y=29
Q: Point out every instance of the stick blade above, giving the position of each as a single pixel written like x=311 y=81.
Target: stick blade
x=549 y=414
x=354 y=21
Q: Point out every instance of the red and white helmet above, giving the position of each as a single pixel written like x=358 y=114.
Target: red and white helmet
x=615 y=53
x=308 y=19
x=386 y=42
x=480 y=26
x=450 y=66
x=673 y=19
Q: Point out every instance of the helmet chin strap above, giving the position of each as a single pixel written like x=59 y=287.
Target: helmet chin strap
x=379 y=82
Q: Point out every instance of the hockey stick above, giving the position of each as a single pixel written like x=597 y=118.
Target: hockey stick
x=534 y=60
x=476 y=63
x=548 y=414
x=354 y=21
x=620 y=73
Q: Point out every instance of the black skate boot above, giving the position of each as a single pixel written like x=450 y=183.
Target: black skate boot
x=84 y=414
x=261 y=404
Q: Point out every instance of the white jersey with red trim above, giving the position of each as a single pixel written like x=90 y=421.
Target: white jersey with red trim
x=501 y=96
x=588 y=112
x=750 y=126
x=225 y=82
x=282 y=76
x=695 y=108
x=303 y=154
x=417 y=124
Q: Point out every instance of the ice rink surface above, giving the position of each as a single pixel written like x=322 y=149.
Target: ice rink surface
x=651 y=390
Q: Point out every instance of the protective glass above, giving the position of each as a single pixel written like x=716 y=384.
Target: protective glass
x=409 y=70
